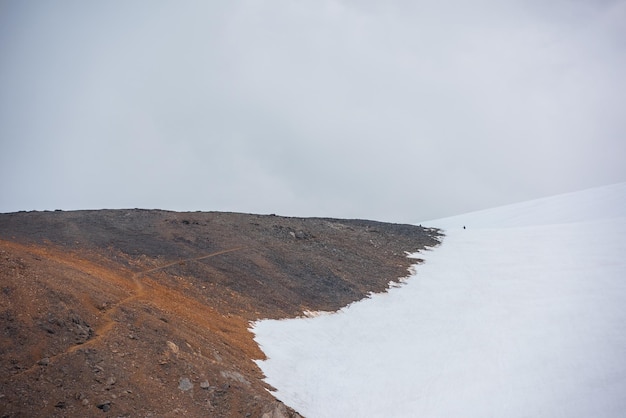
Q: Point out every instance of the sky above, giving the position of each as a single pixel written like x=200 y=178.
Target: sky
x=396 y=111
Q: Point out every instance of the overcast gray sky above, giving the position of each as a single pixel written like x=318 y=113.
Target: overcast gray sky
x=397 y=110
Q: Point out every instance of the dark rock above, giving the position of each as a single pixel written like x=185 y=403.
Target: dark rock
x=105 y=406
x=302 y=235
x=48 y=329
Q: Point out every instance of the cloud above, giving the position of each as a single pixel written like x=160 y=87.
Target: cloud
x=395 y=111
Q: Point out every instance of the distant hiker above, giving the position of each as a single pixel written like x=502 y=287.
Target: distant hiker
x=463 y=226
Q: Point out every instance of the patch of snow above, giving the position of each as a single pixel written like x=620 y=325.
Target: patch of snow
x=522 y=314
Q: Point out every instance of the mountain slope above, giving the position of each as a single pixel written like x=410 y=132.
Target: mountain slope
x=600 y=203
x=510 y=317
x=146 y=313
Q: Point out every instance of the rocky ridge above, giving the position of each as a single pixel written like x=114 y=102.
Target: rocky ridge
x=146 y=313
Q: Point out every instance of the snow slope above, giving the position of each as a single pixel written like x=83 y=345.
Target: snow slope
x=522 y=314
x=588 y=205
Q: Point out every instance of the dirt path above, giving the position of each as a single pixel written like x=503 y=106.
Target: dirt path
x=187 y=260
x=156 y=295
x=139 y=292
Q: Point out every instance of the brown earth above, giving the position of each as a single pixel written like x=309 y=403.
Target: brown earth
x=144 y=313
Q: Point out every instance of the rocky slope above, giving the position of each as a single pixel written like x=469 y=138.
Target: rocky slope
x=146 y=313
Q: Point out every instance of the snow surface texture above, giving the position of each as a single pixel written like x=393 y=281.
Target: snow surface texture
x=523 y=314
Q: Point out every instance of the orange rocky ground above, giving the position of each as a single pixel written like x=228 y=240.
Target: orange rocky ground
x=135 y=313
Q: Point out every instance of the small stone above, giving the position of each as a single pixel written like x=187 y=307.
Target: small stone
x=44 y=361
x=48 y=329
x=173 y=347
x=205 y=385
x=85 y=402
x=185 y=384
x=111 y=381
x=105 y=406
x=279 y=411
x=235 y=376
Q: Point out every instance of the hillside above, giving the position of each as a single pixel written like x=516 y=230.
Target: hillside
x=147 y=313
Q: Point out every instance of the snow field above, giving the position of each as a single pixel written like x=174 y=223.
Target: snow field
x=509 y=319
